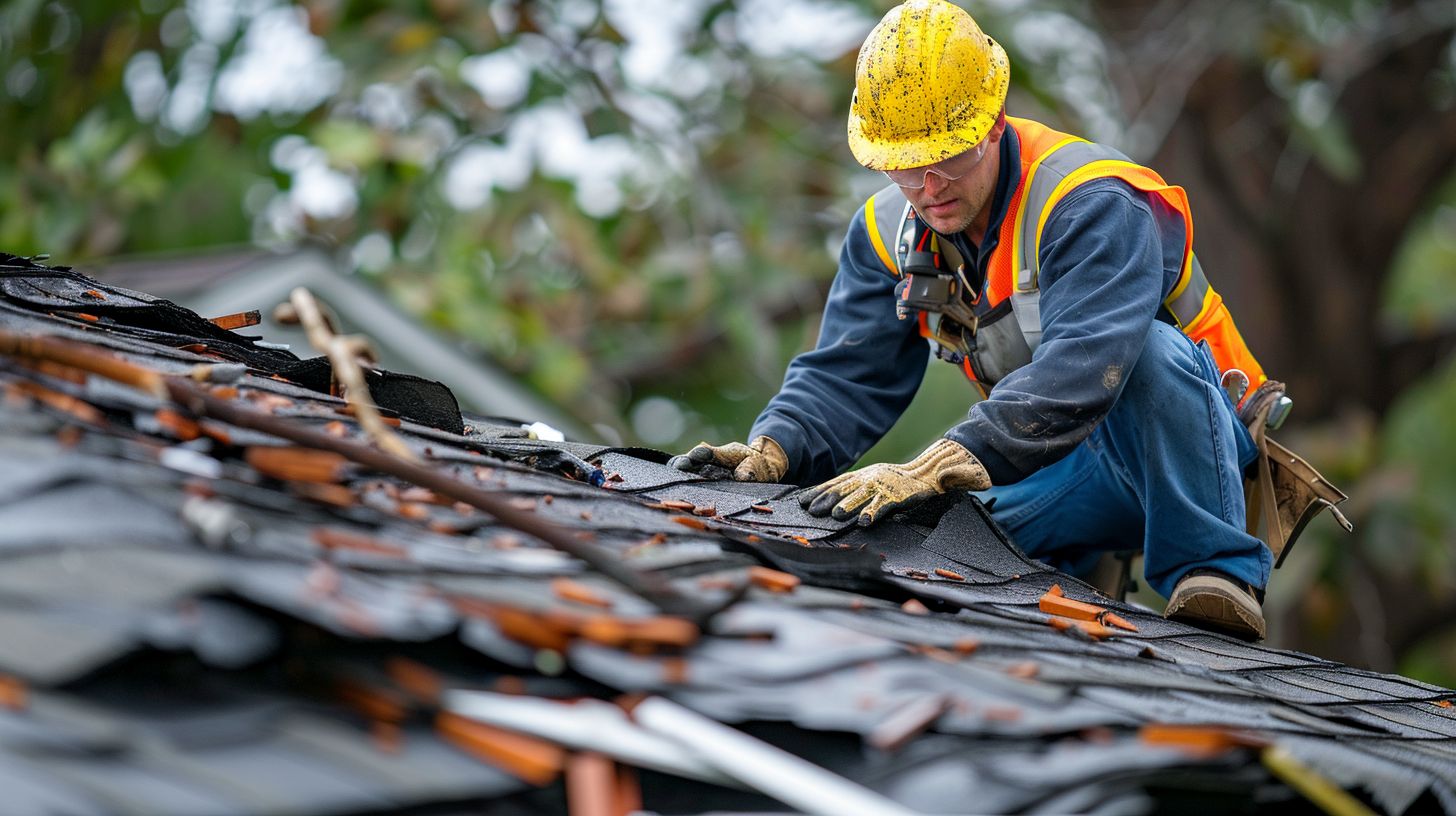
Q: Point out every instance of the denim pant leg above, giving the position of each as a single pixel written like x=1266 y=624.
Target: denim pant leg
x=1162 y=472
x=1068 y=513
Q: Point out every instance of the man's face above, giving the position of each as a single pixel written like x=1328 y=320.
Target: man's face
x=949 y=206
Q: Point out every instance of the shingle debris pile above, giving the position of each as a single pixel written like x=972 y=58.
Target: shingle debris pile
x=200 y=616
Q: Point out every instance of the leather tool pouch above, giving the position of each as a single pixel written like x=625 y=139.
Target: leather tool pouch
x=1293 y=491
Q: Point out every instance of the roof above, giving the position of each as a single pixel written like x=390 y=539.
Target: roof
x=233 y=281
x=199 y=616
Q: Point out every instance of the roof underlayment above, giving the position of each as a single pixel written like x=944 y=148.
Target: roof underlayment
x=198 y=617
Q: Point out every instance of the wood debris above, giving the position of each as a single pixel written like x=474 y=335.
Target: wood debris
x=772 y=579
x=570 y=590
x=297 y=464
x=1055 y=603
x=533 y=760
x=241 y=320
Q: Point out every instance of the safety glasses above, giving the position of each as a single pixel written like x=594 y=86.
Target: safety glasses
x=949 y=169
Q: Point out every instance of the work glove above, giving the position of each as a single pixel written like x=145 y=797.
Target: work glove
x=761 y=460
x=1268 y=393
x=879 y=490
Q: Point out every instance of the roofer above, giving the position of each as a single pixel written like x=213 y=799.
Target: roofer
x=1060 y=276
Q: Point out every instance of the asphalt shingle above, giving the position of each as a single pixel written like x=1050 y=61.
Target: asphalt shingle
x=182 y=632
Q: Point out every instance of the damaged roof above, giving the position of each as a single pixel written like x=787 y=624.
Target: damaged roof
x=213 y=601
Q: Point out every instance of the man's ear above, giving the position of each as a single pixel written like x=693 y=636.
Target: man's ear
x=998 y=128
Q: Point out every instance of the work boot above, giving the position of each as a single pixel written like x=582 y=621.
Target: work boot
x=1218 y=602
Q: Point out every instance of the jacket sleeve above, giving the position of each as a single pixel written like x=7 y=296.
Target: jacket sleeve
x=840 y=398
x=1104 y=271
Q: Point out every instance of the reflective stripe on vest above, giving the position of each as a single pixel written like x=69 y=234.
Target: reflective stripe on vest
x=1068 y=164
x=881 y=227
x=1192 y=297
x=886 y=216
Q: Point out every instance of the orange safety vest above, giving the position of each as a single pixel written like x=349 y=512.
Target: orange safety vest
x=1052 y=165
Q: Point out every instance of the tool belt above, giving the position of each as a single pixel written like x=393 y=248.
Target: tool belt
x=1290 y=487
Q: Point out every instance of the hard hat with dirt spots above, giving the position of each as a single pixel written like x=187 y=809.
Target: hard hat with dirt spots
x=928 y=85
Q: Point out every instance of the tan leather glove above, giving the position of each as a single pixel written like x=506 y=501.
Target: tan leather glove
x=879 y=490
x=761 y=460
x=1262 y=403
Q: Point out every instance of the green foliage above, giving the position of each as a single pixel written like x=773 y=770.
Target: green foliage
x=644 y=236
x=509 y=172
x=493 y=166
x=1420 y=294
x=1398 y=470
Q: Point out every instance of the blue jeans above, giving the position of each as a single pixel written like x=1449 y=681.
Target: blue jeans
x=1162 y=473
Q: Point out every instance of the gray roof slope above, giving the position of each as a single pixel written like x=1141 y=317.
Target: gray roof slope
x=194 y=634
x=222 y=283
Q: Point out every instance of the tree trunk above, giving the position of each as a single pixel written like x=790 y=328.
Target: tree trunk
x=1301 y=255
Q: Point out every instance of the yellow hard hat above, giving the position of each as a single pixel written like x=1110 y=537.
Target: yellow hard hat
x=928 y=85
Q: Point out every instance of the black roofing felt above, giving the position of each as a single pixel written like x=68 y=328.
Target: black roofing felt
x=182 y=622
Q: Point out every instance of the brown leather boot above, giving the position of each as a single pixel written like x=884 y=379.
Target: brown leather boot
x=1218 y=602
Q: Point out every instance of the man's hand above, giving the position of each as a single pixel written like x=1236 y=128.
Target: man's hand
x=1268 y=393
x=879 y=490
x=761 y=460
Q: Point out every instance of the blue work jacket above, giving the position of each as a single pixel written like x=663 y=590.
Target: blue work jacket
x=1110 y=255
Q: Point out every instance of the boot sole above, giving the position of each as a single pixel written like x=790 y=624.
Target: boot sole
x=1210 y=603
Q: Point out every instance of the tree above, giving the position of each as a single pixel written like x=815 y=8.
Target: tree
x=594 y=209
x=1314 y=140
x=636 y=205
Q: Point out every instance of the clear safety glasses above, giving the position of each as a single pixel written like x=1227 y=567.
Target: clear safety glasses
x=948 y=169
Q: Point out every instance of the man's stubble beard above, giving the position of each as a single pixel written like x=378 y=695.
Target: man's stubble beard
x=957 y=226
x=962 y=226
x=981 y=193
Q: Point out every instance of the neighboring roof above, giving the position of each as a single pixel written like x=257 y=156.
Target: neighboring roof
x=222 y=283
x=199 y=617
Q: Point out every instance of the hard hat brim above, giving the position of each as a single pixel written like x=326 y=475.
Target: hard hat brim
x=918 y=151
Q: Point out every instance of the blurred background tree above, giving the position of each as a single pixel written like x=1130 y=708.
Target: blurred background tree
x=636 y=205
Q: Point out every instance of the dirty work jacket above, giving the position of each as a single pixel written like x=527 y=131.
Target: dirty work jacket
x=1109 y=257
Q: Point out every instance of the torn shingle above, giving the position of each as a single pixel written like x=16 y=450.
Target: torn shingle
x=198 y=617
